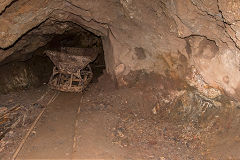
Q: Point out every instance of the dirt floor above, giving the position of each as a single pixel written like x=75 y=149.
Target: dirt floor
x=26 y=104
x=143 y=121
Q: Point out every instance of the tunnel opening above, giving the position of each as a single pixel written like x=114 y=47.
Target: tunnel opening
x=32 y=70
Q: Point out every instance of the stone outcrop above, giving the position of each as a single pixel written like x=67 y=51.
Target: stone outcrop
x=177 y=38
x=24 y=75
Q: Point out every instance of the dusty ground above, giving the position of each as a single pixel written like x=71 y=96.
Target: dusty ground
x=141 y=122
x=29 y=103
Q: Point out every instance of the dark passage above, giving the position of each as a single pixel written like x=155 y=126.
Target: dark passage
x=34 y=69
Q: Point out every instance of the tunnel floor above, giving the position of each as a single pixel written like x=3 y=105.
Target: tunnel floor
x=105 y=123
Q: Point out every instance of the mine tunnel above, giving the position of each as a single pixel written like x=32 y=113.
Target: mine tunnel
x=119 y=79
x=34 y=69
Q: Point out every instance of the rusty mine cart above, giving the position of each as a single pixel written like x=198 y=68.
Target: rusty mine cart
x=72 y=72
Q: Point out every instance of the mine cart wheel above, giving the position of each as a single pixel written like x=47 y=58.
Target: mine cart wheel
x=86 y=75
x=71 y=82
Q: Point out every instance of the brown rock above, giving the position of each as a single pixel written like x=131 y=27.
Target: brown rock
x=137 y=34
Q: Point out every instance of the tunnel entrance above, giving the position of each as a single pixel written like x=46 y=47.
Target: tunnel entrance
x=113 y=116
x=34 y=69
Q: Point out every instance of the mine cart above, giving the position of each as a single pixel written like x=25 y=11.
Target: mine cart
x=72 y=72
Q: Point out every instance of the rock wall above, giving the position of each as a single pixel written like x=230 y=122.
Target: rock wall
x=19 y=75
x=196 y=40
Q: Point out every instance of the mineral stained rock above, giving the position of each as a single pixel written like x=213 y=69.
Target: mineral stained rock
x=168 y=37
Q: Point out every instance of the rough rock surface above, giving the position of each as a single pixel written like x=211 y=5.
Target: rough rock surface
x=24 y=75
x=168 y=37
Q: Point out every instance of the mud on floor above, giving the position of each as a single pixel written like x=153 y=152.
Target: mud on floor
x=156 y=120
x=135 y=129
x=152 y=119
